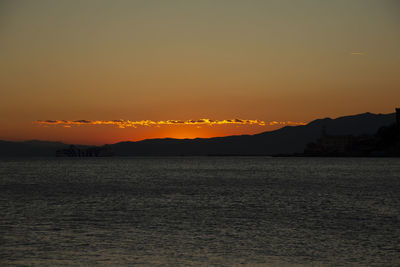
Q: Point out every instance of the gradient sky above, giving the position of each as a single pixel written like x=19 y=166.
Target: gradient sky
x=187 y=60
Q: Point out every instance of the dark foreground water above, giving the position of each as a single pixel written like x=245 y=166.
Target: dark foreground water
x=200 y=211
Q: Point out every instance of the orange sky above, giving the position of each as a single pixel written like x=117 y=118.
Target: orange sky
x=187 y=60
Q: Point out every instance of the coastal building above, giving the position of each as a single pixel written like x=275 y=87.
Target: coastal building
x=335 y=143
x=74 y=151
x=386 y=142
x=330 y=144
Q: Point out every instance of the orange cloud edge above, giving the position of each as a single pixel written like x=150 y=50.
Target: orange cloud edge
x=150 y=123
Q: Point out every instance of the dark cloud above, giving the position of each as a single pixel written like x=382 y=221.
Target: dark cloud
x=83 y=121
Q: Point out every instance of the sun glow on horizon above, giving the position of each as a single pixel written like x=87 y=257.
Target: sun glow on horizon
x=149 y=123
x=112 y=131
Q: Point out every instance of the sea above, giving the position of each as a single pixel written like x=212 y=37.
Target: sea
x=200 y=211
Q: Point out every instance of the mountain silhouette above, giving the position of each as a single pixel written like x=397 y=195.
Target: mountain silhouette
x=287 y=140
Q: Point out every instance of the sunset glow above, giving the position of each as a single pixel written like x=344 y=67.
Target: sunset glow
x=149 y=123
x=200 y=132
x=101 y=71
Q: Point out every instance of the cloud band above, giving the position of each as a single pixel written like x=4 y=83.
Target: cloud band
x=150 y=123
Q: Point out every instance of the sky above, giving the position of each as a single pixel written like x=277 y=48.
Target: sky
x=275 y=62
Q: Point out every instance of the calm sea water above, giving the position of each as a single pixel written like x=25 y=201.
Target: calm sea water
x=218 y=211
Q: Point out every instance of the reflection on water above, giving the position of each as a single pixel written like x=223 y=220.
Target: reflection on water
x=200 y=211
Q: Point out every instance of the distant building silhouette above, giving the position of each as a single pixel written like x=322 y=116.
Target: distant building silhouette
x=330 y=144
x=386 y=142
x=74 y=151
